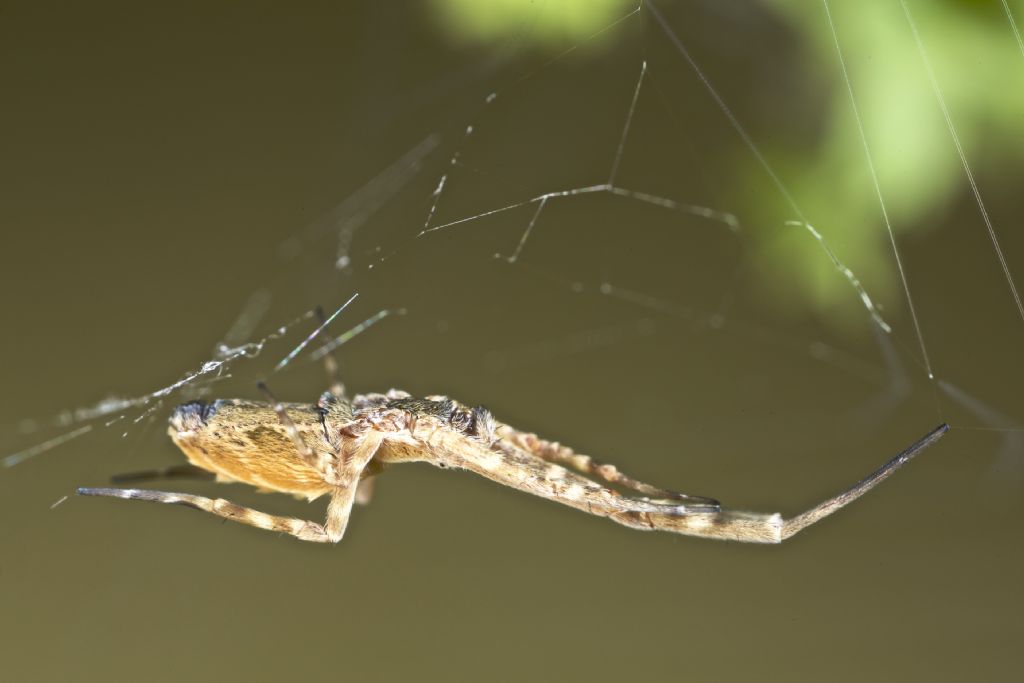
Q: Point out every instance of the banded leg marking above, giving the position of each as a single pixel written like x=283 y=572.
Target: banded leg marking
x=563 y=455
x=299 y=528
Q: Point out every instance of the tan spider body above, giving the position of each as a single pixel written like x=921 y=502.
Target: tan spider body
x=244 y=442
x=337 y=446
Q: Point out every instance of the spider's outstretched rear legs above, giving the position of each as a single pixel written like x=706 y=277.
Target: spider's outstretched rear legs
x=332 y=531
x=299 y=528
x=185 y=471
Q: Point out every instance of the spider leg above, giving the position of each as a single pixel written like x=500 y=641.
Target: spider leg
x=521 y=470
x=757 y=527
x=331 y=532
x=186 y=471
x=827 y=507
x=282 y=415
x=524 y=471
x=338 y=511
x=330 y=362
x=300 y=528
x=555 y=452
x=364 y=491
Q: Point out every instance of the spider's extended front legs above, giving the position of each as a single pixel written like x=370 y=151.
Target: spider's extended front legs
x=756 y=527
x=520 y=469
x=330 y=532
x=555 y=452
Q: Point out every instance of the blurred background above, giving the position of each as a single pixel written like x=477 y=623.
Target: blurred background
x=181 y=181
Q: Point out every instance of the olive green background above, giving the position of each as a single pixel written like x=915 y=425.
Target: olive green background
x=160 y=165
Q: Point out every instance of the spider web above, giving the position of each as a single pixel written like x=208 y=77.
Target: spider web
x=584 y=207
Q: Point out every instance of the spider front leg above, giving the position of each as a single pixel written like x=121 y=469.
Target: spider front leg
x=563 y=455
x=330 y=532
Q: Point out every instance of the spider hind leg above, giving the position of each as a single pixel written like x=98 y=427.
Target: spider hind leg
x=305 y=530
x=185 y=472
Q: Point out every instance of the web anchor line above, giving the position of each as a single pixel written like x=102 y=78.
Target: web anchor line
x=878 y=193
x=674 y=38
x=963 y=158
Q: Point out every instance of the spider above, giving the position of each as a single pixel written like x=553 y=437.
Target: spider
x=338 y=445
